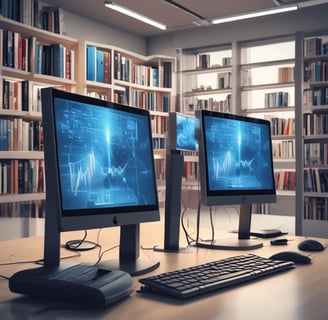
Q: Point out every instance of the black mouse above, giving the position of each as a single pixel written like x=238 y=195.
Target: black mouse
x=293 y=256
x=311 y=245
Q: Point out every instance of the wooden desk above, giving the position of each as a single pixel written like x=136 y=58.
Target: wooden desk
x=297 y=294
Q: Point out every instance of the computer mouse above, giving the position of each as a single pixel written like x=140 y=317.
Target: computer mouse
x=293 y=256
x=311 y=245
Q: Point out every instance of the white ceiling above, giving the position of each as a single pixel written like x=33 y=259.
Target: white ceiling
x=173 y=17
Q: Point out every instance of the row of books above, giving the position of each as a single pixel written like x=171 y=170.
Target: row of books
x=159 y=143
x=190 y=171
x=209 y=104
x=283 y=149
x=315 y=123
x=276 y=99
x=160 y=169
x=98 y=65
x=285 y=180
x=315 y=71
x=315 y=180
x=281 y=126
x=285 y=74
x=34 y=13
x=159 y=124
x=22 y=176
x=317 y=96
x=54 y=60
x=204 y=61
x=316 y=153
x=16 y=51
x=20 y=95
x=150 y=100
x=315 y=208
x=126 y=70
x=315 y=47
x=145 y=75
x=17 y=134
x=224 y=80
x=23 y=209
x=97 y=95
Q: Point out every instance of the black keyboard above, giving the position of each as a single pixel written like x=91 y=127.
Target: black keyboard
x=193 y=281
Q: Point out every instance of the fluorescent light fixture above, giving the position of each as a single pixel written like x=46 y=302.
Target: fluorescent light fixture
x=254 y=14
x=133 y=14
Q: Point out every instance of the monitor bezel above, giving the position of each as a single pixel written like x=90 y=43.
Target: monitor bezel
x=230 y=197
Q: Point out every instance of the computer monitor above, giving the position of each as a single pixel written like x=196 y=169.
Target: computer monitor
x=236 y=167
x=99 y=173
x=181 y=132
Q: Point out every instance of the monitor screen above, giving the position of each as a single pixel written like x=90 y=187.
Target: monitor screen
x=235 y=159
x=236 y=167
x=98 y=162
x=181 y=132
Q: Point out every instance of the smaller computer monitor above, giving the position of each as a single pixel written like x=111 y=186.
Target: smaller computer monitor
x=181 y=132
x=236 y=165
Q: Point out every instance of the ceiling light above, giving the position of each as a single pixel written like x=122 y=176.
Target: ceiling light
x=254 y=14
x=133 y=14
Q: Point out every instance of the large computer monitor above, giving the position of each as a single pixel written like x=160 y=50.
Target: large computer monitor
x=236 y=167
x=99 y=173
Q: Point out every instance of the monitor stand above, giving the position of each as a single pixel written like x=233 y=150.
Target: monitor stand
x=243 y=242
x=129 y=254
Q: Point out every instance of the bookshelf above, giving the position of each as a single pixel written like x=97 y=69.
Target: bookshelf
x=312 y=88
x=31 y=58
x=206 y=78
x=267 y=90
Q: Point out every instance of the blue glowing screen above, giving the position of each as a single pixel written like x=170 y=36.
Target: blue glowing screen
x=104 y=156
x=238 y=154
x=185 y=133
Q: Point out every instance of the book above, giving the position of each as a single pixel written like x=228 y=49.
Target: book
x=100 y=66
x=91 y=63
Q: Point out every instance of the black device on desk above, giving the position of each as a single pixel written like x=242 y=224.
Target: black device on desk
x=80 y=284
x=99 y=172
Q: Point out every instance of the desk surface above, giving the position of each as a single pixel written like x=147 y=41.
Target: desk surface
x=299 y=294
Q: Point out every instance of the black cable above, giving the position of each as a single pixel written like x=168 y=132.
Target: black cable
x=81 y=244
x=189 y=239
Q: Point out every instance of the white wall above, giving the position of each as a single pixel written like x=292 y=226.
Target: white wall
x=81 y=28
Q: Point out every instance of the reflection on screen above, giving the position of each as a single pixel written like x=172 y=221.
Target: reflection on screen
x=238 y=155
x=104 y=157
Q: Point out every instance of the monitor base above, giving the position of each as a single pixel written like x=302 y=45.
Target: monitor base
x=231 y=244
x=187 y=249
